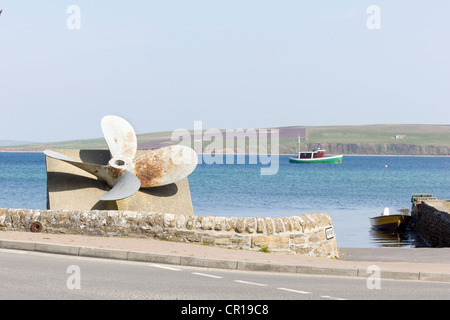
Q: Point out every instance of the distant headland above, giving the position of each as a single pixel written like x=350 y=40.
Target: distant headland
x=381 y=139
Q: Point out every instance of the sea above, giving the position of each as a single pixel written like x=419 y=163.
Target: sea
x=350 y=193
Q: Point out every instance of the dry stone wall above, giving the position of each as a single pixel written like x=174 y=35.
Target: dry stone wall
x=308 y=234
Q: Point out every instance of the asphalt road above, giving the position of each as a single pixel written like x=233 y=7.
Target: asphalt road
x=31 y=275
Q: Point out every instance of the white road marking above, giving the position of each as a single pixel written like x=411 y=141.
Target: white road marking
x=333 y=298
x=296 y=291
x=165 y=267
x=206 y=275
x=252 y=283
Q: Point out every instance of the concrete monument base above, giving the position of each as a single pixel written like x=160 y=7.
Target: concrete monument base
x=70 y=188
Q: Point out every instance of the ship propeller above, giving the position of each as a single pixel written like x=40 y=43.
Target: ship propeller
x=125 y=173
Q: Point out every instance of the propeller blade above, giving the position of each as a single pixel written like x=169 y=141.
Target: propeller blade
x=120 y=137
x=106 y=173
x=128 y=185
x=165 y=166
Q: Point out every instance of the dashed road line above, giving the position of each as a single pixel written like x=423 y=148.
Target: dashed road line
x=243 y=282
x=296 y=291
x=165 y=267
x=207 y=275
x=251 y=283
x=332 y=298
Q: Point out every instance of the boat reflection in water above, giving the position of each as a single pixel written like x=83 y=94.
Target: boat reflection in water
x=407 y=238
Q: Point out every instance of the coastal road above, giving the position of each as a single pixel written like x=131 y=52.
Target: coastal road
x=32 y=275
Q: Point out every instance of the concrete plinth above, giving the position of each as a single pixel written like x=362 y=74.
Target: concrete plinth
x=70 y=188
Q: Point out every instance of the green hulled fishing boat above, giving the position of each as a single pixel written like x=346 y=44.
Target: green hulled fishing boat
x=315 y=156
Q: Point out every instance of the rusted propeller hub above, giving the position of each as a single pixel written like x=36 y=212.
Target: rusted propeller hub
x=121 y=163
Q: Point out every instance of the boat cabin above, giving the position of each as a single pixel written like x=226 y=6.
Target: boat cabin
x=319 y=153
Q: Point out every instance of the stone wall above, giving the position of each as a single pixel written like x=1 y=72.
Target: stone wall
x=431 y=220
x=308 y=234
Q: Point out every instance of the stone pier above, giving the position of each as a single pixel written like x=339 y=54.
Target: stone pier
x=431 y=220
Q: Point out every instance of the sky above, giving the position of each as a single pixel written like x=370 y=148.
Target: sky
x=162 y=65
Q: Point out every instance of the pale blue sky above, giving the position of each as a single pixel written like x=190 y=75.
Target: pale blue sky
x=232 y=64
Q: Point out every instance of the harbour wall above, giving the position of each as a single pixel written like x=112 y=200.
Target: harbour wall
x=308 y=234
x=431 y=220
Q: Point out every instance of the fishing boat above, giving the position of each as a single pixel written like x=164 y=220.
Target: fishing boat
x=315 y=156
x=390 y=222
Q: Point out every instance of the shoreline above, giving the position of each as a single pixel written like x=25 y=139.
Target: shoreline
x=281 y=154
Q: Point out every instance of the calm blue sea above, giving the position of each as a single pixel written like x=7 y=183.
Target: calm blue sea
x=350 y=192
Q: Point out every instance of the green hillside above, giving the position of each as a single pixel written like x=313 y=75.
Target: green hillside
x=361 y=139
x=382 y=134
x=376 y=139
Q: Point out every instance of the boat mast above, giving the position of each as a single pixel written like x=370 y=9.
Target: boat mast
x=299 y=145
